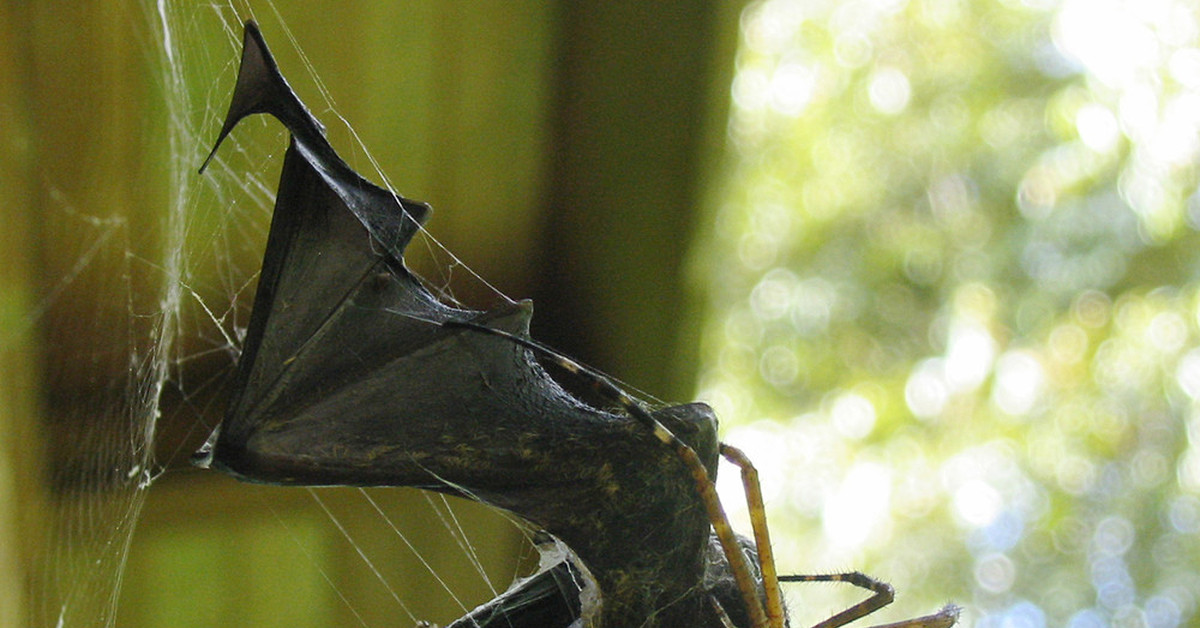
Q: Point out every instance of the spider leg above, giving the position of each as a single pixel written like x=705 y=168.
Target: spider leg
x=944 y=618
x=883 y=595
x=704 y=485
x=726 y=622
x=762 y=538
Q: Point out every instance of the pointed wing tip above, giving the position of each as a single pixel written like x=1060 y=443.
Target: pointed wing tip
x=259 y=88
x=212 y=153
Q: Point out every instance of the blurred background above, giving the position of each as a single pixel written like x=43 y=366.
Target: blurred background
x=932 y=262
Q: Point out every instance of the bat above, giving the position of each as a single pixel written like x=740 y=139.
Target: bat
x=353 y=373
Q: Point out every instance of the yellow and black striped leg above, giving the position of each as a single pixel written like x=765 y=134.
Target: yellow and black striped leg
x=762 y=538
x=883 y=595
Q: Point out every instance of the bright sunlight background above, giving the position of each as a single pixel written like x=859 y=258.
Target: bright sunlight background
x=955 y=277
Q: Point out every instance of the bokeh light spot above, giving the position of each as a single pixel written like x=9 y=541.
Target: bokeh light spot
x=977 y=503
x=853 y=415
x=926 y=392
x=889 y=91
x=969 y=355
x=1098 y=128
x=1019 y=382
x=859 y=504
x=995 y=573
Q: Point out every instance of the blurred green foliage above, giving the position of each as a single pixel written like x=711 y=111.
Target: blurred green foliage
x=955 y=300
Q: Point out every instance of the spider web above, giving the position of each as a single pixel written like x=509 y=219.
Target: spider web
x=140 y=314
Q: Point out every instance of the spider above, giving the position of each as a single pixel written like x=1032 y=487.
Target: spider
x=766 y=611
